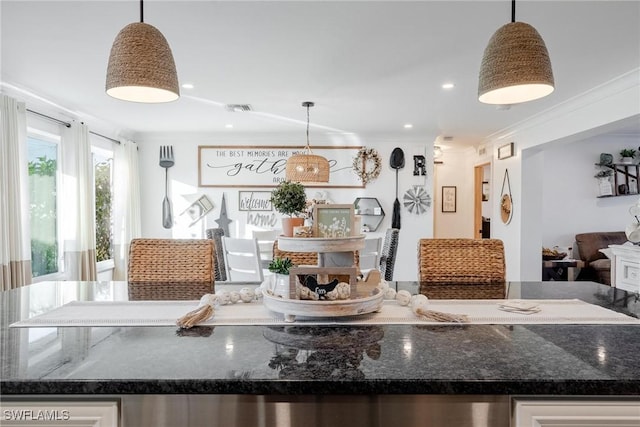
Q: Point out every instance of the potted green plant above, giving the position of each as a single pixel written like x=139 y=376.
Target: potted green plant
x=627 y=155
x=289 y=198
x=280 y=284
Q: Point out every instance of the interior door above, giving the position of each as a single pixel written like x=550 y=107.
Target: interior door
x=480 y=177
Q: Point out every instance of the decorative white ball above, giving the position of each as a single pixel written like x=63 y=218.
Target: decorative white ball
x=383 y=286
x=390 y=294
x=234 y=296
x=223 y=297
x=208 y=299
x=420 y=302
x=403 y=297
x=258 y=292
x=247 y=295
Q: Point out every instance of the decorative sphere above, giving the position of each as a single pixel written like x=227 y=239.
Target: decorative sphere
x=390 y=294
x=403 y=297
x=383 y=286
x=208 y=299
x=258 y=292
x=234 y=296
x=223 y=297
x=247 y=295
x=419 y=302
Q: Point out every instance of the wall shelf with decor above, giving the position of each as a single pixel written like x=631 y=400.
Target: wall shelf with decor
x=625 y=178
x=370 y=209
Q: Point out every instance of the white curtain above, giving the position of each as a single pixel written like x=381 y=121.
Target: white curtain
x=15 y=246
x=78 y=204
x=126 y=206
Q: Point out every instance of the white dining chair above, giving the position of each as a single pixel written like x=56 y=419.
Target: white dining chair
x=242 y=259
x=370 y=255
x=265 y=240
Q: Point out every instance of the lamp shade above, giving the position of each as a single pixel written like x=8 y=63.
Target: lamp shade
x=515 y=66
x=141 y=66
x=307 y=168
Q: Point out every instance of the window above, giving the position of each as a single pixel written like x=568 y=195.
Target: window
x=103 y=177
x=43 y=207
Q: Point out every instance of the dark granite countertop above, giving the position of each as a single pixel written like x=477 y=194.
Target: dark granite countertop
x=295 y=360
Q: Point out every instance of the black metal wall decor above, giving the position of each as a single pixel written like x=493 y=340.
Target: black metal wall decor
x=419 y=165
x=396 y=162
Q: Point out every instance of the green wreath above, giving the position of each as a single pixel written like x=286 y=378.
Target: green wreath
x=364 y=156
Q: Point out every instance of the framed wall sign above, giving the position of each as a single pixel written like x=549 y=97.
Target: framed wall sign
x=254 y=201
x=505 y=151
x=264 y=166
x=449 y=198
x=333 y=220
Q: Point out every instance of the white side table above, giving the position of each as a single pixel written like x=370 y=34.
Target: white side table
x=625 y=267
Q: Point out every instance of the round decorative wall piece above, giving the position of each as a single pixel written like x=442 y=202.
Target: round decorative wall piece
x=416 y=199
x=367 y=164
x=506 y=208
x=506 y=200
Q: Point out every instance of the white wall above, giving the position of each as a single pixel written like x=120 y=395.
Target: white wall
x=184 y=189
x=603 y=109
x=568 y=182
x=456 y=170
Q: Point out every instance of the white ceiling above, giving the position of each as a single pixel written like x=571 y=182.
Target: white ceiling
x=370 y=66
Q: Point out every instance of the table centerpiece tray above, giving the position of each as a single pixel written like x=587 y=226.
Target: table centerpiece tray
x=321 y=244
x=362 y=304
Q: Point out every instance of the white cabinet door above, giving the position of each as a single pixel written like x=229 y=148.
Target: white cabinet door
x=57 y=413
x=575 y=413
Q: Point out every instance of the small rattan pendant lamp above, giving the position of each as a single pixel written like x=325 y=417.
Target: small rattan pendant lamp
x=515 y=66
x=306 y=166
x=141 y=66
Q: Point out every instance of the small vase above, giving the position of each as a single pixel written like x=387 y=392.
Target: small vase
x=288 y=224
x=627 y=160
x=281 y=285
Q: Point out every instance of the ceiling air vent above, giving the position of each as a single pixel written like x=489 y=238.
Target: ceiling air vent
x=238 y=108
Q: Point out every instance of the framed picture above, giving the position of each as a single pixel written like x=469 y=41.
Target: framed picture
x=485 y=191
x=264 y=165
x=505 y=151
x=198 y=209
x=254 y=201
x=449 y=198
x=332 y=220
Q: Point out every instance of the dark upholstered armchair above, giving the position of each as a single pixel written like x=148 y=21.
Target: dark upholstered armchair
x=597 y=267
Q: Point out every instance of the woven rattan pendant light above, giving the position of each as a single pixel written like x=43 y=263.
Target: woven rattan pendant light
x=141 y=67
x=515 y=66
x=306 y=166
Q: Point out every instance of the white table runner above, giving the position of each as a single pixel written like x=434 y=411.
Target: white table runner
x=165 y=313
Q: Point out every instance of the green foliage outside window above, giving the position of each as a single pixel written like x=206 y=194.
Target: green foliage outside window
x=103 y=211
x=42 y=209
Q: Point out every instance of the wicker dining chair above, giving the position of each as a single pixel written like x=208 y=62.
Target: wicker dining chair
x=462 y=268
x=170 y=269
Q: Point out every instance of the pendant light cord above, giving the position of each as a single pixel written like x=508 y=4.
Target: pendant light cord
x=308 y=148
x=308 y=104
x=513 y=10
x=141 y=11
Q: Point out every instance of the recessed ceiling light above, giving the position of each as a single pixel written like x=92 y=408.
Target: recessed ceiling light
x=448 y=86
x=228 y=126
x=408 y=126
x=187 y=86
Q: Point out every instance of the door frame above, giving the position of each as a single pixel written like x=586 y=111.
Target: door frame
x=478 y=174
